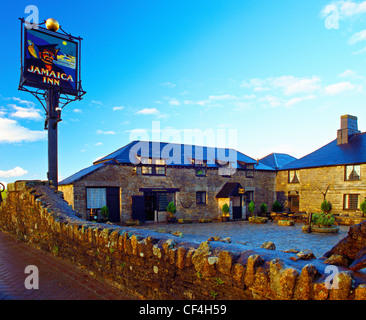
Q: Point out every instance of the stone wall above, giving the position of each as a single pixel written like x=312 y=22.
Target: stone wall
x=151 y=265
x=185 y=179
x=313 y=179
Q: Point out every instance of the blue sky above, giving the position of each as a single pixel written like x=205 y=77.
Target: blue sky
x=268 y=75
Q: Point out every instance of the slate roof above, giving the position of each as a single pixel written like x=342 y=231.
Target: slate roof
x=277 y=160
x=354 y=152
x=176 y=154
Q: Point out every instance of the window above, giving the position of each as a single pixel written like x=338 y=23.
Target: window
x=200 y=167
x=153 y=167
x=164 y=198
x=249 y=196
x=293 y=176
x=96 y=198
x=350 y=201
x=201 y=197
x=352 y=173
x=249 y=170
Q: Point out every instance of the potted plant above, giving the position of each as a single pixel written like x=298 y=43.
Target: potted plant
x=105 y=213
x=263 y=209
x=255 y=218
x=251 y=207
x=323 y=222
x=171 y=208
x=225 y=212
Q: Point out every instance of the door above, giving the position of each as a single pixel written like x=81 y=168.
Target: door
x=113 y=204
x=151 y=202
x=138 y=208
x=294 y=203
x=237 y=208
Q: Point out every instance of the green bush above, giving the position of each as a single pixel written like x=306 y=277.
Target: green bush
x=263 y=208
x=105 y=212
x=171 y=208
x=363 y=207
x=326 y=207
x=323 y=219
x=251 y=207
x=276 y=207
x=225 y=208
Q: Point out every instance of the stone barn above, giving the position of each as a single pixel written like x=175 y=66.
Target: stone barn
x=139 y=180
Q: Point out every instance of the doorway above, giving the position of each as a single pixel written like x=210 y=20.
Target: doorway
x=294 y=203
x=237 y=207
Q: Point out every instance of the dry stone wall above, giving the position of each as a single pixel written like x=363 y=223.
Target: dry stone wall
x=151 y=265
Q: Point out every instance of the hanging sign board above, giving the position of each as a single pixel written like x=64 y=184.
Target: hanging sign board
x=50 y=60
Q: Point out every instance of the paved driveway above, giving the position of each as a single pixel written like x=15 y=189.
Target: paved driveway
x=254 y=235
x=58 y=280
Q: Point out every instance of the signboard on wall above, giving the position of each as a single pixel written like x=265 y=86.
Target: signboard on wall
x=50 y=60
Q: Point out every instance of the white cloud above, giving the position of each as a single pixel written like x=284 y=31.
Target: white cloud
x=168 y=84
x=350 y=8
x=223 y=97
x=11 y=131
x=271 y=100
x=77 y=111
x=25 y=113
x=174 y=102
x=26 y=102
x=16 y=172
x=338 y=88
x=297 y=100
x=98 y=144
x=97 y=102
x=357 y=37
x=105 y=132
x=361 y=51
x=292 y=85
x=118 y=108
x=351 y=74
x=148 y=111
x=289 y=85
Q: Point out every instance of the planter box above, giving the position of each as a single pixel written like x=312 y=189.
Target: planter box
x=258 y=219
x=286 y=223
x=332 y=229
x=204 y=220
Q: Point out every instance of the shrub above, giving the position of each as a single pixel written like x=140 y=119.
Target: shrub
x=363 y=206
x=326 y=207
x=263 y=208
x=171 y=208
x=105 y=212
x=276 y=207
x=251 y=207
x=225 y=209
x=323 y=220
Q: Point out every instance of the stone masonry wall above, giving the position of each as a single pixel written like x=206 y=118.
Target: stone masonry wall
x=313 y=178
x=184 y=179
x=151 y=265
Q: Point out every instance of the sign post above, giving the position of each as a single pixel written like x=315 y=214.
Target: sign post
x=50 y=70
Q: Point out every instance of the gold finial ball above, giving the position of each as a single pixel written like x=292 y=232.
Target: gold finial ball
x=52 y=24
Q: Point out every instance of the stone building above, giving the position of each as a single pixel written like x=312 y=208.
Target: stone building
x=140 y=179
x=336 y=171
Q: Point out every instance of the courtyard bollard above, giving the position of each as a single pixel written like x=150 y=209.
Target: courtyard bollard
x=309 y=222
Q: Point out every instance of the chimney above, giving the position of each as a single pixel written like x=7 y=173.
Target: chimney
x=348 y=128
